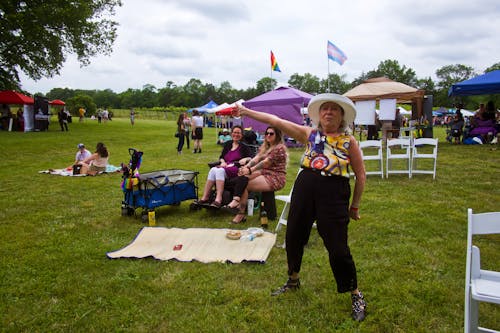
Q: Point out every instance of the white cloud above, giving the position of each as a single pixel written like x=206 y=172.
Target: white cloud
x=216 y=41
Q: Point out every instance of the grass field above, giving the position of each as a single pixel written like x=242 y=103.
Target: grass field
x=409 y=246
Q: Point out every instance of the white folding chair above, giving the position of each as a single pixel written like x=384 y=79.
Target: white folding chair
x=480 y=285
x=398 y=149
x=367 y=150
x=424 y=148
x=284 y=213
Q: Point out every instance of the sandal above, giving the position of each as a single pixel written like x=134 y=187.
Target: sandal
x=241 y=220
x=202 y=202
x=291 y=284
x=216 y=204
x=232 y=210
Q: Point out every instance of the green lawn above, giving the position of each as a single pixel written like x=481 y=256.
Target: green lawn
x=55 y=231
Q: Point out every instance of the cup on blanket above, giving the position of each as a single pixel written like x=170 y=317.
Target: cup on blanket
x=152 y=218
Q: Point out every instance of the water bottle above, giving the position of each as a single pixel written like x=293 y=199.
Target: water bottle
x=250 y=205
x=152 y=218
x=247 y=238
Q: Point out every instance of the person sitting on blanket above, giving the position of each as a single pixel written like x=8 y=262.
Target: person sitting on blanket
x=96 y=162
x=224 y=137
x=81 y=155
x=233 y=152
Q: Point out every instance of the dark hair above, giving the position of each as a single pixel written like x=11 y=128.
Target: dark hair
x=195 y=112
x=237 y=126
x=101 y=149
x=490 y=112
x=180 y=120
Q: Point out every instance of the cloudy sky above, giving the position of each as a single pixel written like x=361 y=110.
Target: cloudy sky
x=216 y=40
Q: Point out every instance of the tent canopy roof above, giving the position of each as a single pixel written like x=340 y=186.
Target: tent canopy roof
x=57 y=102
x=283 y=102
x=205 y=108
x=485 y=84
x=226 y=111
x=278 y=96
x=13 y=97
x=383 y=88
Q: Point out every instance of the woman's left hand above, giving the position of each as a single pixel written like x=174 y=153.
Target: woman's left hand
x=354 y=213
x=243 y=171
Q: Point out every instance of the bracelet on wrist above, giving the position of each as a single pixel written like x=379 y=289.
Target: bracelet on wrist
x=354 y=208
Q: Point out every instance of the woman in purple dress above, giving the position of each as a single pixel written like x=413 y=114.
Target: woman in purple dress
x=233 y=154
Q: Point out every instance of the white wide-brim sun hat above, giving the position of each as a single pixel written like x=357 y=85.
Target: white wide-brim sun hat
x=345 y=103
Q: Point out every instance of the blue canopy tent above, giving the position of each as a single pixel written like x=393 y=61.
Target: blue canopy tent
x=485 y=84
x=205 y=108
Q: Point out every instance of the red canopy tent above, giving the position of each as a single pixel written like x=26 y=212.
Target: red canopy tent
x=13 y=97
x=57 y=102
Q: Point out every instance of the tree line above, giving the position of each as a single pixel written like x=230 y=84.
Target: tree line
x=194 y=93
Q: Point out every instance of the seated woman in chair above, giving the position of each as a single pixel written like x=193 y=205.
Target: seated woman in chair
x=97 y=162
x=483 y=124
x=263 y=173
x=233 y=153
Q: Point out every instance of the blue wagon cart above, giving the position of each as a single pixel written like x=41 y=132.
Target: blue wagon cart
x=159 y=188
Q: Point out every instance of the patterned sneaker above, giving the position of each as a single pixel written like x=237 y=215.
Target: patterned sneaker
x=289 y=285
x=358 y=307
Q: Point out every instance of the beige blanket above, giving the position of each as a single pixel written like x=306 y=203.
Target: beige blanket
x=204 y=245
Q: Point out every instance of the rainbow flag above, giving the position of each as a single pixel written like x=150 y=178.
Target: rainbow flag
x=274 y=63
x=335 y=53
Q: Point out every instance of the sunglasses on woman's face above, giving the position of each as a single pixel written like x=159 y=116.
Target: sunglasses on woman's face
x=270 y=133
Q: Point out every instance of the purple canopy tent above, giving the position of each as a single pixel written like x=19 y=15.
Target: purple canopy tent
x=284 y=102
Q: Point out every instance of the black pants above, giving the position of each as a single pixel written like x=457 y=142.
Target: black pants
x=64 y=125
x=239 y=185
x=180 y=144
x=324 y=200
x=187 y=138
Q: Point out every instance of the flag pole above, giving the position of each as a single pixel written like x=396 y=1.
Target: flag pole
x=271 y=66
x=328 y=77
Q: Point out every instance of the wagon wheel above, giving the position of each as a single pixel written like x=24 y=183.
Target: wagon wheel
x=144 y=216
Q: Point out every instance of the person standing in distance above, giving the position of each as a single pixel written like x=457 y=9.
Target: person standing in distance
x=197 y=128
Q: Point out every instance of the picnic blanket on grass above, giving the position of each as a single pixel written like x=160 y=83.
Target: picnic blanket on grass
x=200 y=244
x=69 y=171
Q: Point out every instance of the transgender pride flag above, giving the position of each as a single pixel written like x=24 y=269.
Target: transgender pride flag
x=335 y=53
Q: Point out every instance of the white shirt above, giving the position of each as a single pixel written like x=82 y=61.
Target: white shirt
x=198 y=121
x=81 y=156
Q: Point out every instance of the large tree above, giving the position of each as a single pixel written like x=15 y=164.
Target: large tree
x=36 y=36
x=335 y=83
x=394 y=71
x=264 y=85
x=307 y=82
x=448 y=75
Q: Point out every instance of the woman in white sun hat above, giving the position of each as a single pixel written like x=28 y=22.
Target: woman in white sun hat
x=321 y=191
